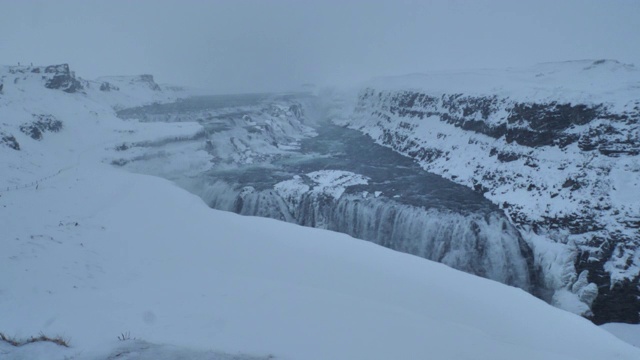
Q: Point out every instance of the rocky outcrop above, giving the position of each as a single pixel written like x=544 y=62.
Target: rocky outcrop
x=148 y=79
x=9 y=141
x=107 y=86
x=42 y=123
x=55 y=77
x=567 y=171
x=61 y=78
x=527 y=123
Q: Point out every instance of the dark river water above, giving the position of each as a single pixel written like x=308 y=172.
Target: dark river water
x=335 y=148
x=396 y=176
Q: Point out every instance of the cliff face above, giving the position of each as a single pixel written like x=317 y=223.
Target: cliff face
x=60 y=77
x=56 y=77
x=557 y=147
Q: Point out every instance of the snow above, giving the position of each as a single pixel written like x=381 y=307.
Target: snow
x=627 y=332
x=133 y=91
x=95 y=251
x=149 y=258
x=557 y=264
x=332 y=183
x=624 y=264
x=581 y=81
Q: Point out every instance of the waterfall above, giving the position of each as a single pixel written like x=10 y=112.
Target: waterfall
x=484 y=244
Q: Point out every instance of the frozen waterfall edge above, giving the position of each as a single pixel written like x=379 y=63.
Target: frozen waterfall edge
x=486 y=245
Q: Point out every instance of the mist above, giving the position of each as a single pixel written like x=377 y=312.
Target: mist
x=259 y=46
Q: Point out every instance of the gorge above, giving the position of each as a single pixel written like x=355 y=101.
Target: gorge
x=284 y=157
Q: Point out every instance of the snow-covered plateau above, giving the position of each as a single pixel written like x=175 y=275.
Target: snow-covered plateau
x=123 y=265
x=555 y=145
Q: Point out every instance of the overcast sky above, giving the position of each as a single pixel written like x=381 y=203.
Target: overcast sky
x=250 y=46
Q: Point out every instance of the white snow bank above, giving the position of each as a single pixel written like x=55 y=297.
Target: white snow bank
x=97 y=251
x=627 y=332
x=570 y=81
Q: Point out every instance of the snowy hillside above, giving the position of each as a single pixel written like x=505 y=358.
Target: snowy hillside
x=91 y=252
x=116 y=91
x=627 y=332
x=556 y=145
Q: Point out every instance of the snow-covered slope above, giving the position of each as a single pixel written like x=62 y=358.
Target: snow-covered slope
x=627 y=332
x=91 y=252
x=46 y=129
x=556 y=145
x=148 y=258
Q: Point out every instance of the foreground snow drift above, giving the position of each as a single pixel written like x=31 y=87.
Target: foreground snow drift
x=627 y=332
x=96 y=252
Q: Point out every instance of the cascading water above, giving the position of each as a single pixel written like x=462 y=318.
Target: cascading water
x=485 y=244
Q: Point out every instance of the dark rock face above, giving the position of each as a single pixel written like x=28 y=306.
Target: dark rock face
x=9 y=140
x=62 y=78
x=617 y=302
x=608 y=237
x=106 y=86
x=611 y=141
x=528 y=124
x=148 y=79
x=297 y=111
x=536 y=125
x=42 y=123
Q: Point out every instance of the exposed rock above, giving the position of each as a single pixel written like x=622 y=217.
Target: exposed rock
x=147 y=78
x=61 y=78
x=41 y=124
x=507 y=156
x=544 y=124
x=107 y=86
x=9 y=140
x=616 y=301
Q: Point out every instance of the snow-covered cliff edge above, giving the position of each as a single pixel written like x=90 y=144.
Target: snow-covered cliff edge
x=555 y=145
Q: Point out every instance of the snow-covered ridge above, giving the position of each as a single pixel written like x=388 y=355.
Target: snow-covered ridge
x=116 y=91
x=556 y=145
x=577 y=82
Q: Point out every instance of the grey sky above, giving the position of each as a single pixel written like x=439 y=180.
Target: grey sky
x=246 y=46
